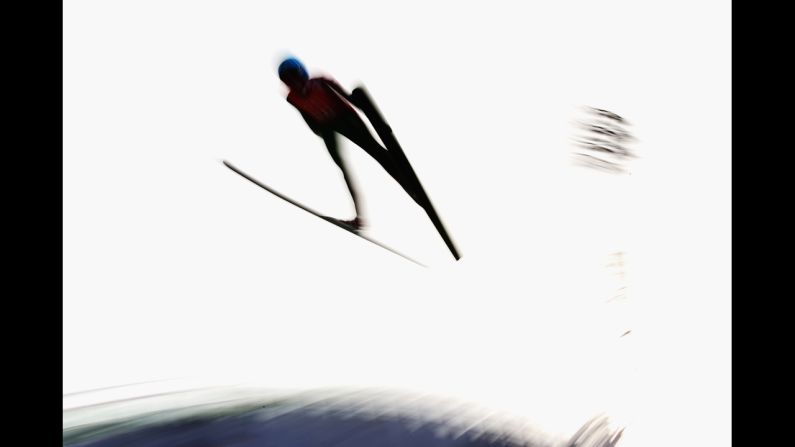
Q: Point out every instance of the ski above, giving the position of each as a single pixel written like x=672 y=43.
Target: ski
x=361 y=99
x=331 y=220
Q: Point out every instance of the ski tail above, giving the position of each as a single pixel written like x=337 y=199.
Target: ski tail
x=361 y=99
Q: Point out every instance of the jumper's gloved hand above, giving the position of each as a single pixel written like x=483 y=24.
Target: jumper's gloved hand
x=357 y=223
x=355 y=97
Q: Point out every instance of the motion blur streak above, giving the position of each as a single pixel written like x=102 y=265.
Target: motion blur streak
x=605 y=142
x=250 y=417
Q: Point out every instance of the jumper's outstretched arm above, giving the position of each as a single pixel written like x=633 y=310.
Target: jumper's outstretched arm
x=330 y=139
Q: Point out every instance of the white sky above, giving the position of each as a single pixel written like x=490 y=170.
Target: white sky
x=176 y=267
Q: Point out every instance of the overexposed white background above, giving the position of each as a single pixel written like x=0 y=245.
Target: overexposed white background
x=174 y=266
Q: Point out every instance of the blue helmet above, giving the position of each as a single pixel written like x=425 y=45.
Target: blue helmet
x=292 y=65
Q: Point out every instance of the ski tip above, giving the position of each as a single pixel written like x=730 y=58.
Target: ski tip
x=229 y=165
